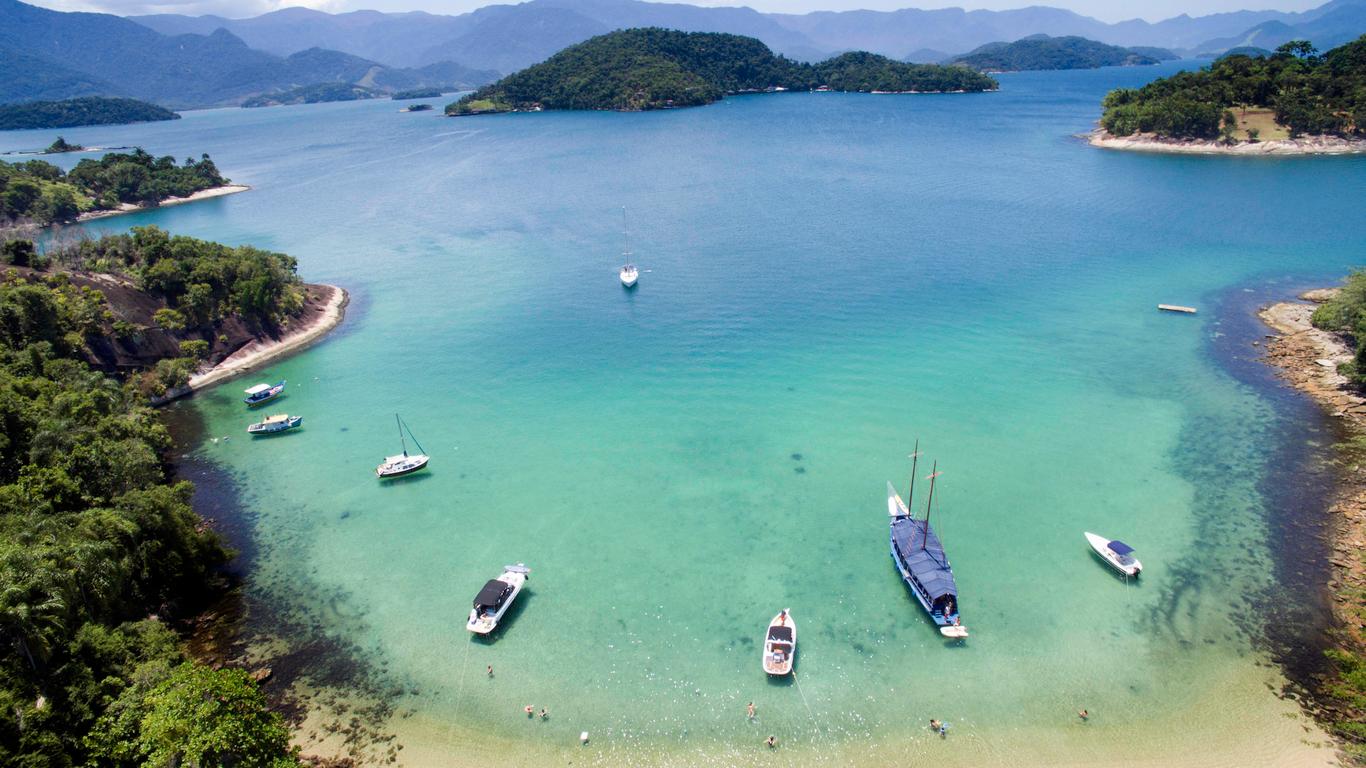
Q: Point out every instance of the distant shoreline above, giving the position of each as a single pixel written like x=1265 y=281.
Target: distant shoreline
x=203 y=194
x=328 y=310
x=1146 y=142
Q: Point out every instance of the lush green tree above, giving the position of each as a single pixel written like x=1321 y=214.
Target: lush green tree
x=192 y=715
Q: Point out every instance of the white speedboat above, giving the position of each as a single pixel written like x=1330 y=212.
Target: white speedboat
x=404 y=463
x=273 y=425
x=495 y=598
x=1116 y=554
x=780 y=644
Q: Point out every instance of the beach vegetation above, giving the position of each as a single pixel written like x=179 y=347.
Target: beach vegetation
x=100 y=550
x=39 y=192
x=1067 y=52
x=1345 y=313
x=1305 y=93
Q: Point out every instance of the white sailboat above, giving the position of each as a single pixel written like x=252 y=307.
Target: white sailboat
x=629 y=274
x=402 y=464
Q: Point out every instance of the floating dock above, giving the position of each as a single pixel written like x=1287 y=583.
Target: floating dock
x=1176 y=308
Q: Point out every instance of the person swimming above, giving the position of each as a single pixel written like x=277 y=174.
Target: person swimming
x=750 y=710
x=529 y=710
x=771 y=742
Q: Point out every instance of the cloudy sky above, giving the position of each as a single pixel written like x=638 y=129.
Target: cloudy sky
x=1108 y=10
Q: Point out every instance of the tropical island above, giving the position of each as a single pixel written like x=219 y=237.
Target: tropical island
x=90 y=110
x=102 y=558
x=417 y=93
x=61 y=146
x=642 y=69
x=1320 y=349
x=1294 y=101
x=1043 y=52
x=314 y=94
x=40 y=193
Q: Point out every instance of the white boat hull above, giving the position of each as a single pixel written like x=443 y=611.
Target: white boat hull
x=629 y=276
x=486 y=623
x=780 y=654
x=398 y=466
x=1129 y=566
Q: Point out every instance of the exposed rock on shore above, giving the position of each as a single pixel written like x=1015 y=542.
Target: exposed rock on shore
x=1309 y=145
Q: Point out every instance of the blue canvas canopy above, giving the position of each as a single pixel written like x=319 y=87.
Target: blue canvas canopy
x=1119 y=547
x=923 y=557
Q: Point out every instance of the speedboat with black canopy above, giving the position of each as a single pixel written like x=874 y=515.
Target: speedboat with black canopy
x=920 y=558
x=780 y=645
x=495 y=598
x=1116 y=554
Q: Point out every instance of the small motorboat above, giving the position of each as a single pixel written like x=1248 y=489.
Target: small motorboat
x=273 y=425
x=263 y=393
x=403 y=463
x=1116 y=554
x=495 y=598
x=780 y=644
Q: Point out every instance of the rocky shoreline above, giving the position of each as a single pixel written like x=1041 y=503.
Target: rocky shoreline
x=1307 y=358
x=1146 y=142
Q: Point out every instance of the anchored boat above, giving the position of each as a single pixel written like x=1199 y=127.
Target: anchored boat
x=402 y=464
x=495 y=598
x=780 y=645
x=920 y=558
x=1116 y=554
x=263 y=393
x=273 y=425
x=629 y=274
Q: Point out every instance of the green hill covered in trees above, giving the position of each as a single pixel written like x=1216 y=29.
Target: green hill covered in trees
x=91 y=110
x=100 y=551
x=314 y=94
x=640 y=69
x=39 y=192
x=1044 y=52
x=1308 y=93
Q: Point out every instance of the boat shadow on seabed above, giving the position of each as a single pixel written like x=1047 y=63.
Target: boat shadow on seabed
x=525 y=597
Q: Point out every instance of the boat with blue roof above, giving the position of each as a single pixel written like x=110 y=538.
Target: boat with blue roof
x=920 y=558
x=263 y=393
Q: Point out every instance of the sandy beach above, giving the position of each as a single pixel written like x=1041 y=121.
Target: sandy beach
x=325 y=309
x=1314 y=145
x=203 y=194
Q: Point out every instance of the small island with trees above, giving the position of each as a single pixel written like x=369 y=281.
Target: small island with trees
x=1294 y=101
x=643 y=69
x=90 y=110
x=313 y=94
x=39 y=193
x=1043 y=52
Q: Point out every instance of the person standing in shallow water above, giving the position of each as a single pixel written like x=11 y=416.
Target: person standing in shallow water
x=750 y=710
x=772 y=742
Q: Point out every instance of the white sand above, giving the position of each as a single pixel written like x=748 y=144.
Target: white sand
x=1315 y=145
x=203 y=194
x=263 y=351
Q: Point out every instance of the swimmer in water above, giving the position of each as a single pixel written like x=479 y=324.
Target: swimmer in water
x=529 y=710
x=771 y=742
x=490 y=670
x=750 y=709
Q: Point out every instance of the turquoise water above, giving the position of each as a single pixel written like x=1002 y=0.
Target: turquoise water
x=825 y=279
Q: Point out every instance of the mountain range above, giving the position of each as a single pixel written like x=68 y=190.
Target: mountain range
x=509 y=37
x=193 y=61
x=50 y=55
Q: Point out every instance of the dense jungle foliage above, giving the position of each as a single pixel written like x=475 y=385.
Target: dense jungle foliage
x=638 y=69
x=1311 y=95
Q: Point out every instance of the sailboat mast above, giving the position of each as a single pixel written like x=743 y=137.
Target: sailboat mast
x=625 y=237
x=915 y=458
x=925 y=540
x=399 y=423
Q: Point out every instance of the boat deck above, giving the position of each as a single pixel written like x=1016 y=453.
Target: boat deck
x=920 y=553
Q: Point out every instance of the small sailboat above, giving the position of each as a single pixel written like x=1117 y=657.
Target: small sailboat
x=402 y=464
x=263 y=393
x=273 y=425
x=495 y=598
x=1116 y=554
x=780 y=644
x=629 y=274
x=920 y=558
